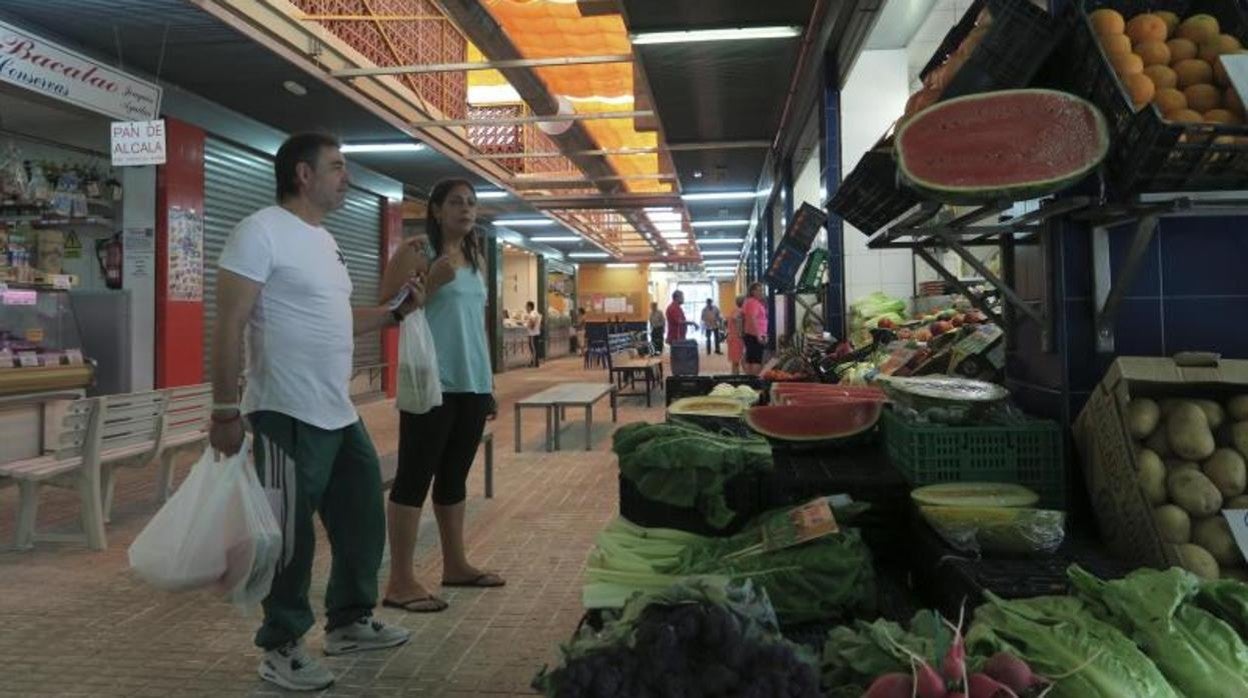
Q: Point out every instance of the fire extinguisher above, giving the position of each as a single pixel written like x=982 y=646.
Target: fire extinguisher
x=108 y=253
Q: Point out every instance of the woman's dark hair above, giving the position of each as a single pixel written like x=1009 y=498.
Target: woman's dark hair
x=473 y=250
x=756 y=286
x=301 y=147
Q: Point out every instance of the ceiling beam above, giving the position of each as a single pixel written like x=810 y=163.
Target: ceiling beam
x=535 y=119
x=599 y=152
x=480 y=65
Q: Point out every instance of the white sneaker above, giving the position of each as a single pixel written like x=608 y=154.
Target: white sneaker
x=364 y=634
x=290 y=667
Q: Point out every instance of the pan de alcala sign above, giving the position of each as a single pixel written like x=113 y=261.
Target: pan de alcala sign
x=33 y=63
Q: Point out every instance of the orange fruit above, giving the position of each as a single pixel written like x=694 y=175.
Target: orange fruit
x=1193 y=71
x=1153 y=53
x=1140 y=88
x=1233 y=102
x=1210 y=49
x=1114 y=43
x=1198 y=28
x=1105 y=21
x=1169 y=99
x=1202 y=98
x=1185 y=115
x=1146 y=27
x=1130 y=64
x=1162 y=75
x=1171 y=20
x=1221 y=116
x=1181 y=50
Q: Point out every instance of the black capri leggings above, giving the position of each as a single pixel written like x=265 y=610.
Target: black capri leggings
x=753 y=350
x=437 y=448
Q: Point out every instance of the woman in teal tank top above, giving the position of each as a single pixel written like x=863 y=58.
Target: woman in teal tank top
x=437 y=448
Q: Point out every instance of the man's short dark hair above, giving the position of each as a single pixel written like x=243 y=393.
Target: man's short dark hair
x=301 y=147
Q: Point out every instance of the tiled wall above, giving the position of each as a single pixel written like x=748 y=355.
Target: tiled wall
x=944 y=15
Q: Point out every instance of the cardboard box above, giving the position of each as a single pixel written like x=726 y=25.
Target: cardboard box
x=1108 y=451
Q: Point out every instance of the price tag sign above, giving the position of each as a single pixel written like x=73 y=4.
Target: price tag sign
x=1238 y=519
x=61 y=282
x=12 y=297
x=34 y=335
x=799 y=525
x=73 y=357
x=27 y=359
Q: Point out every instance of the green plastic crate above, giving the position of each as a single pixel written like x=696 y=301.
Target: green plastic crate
x=1028 y=454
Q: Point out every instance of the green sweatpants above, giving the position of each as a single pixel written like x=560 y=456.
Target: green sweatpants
x=306 y=470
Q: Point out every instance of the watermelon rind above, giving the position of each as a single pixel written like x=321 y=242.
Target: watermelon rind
x=706 y=406
x=1014 y=192
x=785 y=428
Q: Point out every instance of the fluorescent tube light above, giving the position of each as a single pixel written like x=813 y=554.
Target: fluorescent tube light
x=589 y=255
x=719 y=196
x=721 y=253
x=720 y=241
x=381 y=147
x=523 y=222
x=556 y=238
x=722 y=224
x=492 y=194
x=621 y=265
x=698 y=35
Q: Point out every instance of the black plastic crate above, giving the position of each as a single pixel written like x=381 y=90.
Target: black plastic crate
x=863 y=473
x=1149 y=154
x=740 y=491
x=676 y=387
x=1017 y=43
x=870 y=197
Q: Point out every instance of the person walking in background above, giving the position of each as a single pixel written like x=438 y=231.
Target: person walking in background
x=677 y=326
x=755 y=329
x=533 y=323
x=656 y=328
x=437 y=448
x=711 y=322
x=580 y=331
x=283 y=281
x=736 y=332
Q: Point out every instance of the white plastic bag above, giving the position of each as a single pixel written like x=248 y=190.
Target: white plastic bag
x=217 y=530
x=420 y=388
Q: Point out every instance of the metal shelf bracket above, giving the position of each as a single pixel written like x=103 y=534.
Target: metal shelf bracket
x=1110 y=291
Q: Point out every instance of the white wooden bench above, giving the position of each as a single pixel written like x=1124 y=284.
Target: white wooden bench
x=131 y=427
x=188 y=416
x=66 y=465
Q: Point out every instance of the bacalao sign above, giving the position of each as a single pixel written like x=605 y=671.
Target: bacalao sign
x=38 y=65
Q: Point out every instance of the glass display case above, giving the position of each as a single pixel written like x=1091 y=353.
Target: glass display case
x=40 y=343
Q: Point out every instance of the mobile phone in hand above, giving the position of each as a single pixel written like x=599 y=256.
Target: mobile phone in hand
x=398 y=301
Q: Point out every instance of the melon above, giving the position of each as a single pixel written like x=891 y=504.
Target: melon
x=804 y=423
x=707 y=406
x=1013 y=144
x=789 y=393
x=975 y=494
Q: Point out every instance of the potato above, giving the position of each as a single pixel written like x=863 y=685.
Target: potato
x=1174 y=525
x=1158 y=443
x=1193 y=492
x=1198 y=561
x=1187 y=430
x=1227 y=471
x=1237 y=408
x=1213 y=412
x=1214 y=534
x=1240 y=502
x=1152 y=476
x=1239 y=438
x=1142 y=417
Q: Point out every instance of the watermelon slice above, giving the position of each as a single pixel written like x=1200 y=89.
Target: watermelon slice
x=1013 y=144
x=829 y=422
x=794 y=393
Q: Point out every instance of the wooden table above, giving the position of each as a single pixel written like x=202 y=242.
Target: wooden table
x=556 y=399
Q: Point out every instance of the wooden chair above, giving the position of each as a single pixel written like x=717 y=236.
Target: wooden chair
x=187 y=418
x=68 y=464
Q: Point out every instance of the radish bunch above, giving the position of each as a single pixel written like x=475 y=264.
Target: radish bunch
x=1002 y=676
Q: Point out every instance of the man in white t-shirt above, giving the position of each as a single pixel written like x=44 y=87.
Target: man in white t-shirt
x=283 y=280
x=533 y=323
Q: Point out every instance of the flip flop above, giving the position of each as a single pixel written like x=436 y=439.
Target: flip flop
x=424 y=604
x=485 y=580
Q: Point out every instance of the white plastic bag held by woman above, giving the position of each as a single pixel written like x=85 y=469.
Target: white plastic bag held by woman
x=420 y=388
x=217 y=530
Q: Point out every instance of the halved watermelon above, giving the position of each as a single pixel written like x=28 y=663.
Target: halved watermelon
x=1013 y=144
x=792 y=393
x=827 y=422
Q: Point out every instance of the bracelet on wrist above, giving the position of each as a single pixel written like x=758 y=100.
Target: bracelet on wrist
x=227 y=420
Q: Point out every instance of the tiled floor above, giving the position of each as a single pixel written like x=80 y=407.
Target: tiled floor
x=75 y=622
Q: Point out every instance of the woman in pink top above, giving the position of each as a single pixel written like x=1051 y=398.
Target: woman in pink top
x=736 y=343
x=755 y=336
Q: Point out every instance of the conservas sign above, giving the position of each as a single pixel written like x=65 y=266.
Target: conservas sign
x=35 y=64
